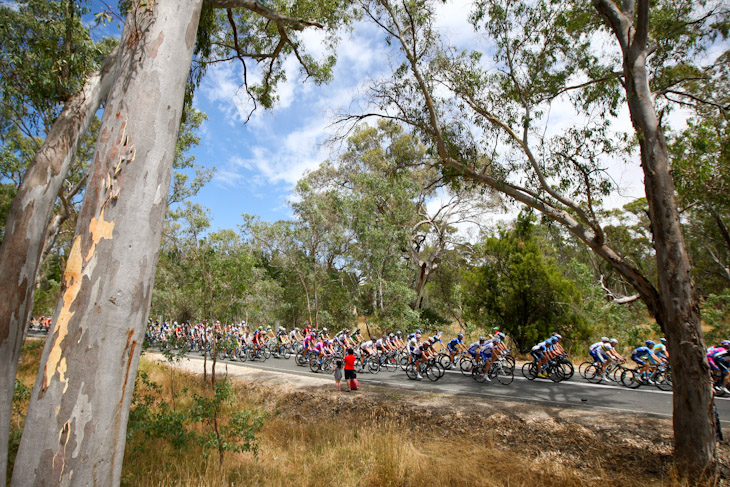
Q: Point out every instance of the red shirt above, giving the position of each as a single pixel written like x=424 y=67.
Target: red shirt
x=350 y=362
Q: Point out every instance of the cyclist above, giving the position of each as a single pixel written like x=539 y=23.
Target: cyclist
x=455 y=346
x=538 y=353
x=368 y=347
x=660 y=349
x=601 y=354
x=645 y=358
x=486 y=354
x=719 y=359
x=475 y=347
x=399 y=343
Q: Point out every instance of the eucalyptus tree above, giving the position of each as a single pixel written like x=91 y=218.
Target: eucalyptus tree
x=100 y=317
x=489 y=123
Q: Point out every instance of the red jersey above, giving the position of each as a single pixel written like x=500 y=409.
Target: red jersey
x=350 y=362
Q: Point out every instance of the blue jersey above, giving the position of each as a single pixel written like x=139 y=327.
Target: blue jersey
x=454 y=343
x=641 y=352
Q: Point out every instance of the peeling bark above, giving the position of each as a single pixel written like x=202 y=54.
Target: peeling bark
x=25 y=231
x=90 y=359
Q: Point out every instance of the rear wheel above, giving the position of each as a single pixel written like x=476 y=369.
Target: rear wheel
x=593 y=374
x=477 y=373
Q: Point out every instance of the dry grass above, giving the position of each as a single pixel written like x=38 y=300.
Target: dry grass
x=319 y=437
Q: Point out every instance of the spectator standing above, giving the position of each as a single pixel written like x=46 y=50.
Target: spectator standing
x=350 y=375
x=338 y=374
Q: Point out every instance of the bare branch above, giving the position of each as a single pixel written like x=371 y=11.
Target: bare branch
x=618 y=299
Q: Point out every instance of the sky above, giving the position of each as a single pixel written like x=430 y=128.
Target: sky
x=258 y=163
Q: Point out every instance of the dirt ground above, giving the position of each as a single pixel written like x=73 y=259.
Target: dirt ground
x=623 y=449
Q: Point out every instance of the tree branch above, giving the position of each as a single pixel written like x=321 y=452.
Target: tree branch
x=264 y=11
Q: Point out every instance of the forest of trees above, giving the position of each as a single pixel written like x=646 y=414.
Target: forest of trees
x=392 y=227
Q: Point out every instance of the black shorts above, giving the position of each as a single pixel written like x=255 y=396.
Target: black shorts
x=350 y=374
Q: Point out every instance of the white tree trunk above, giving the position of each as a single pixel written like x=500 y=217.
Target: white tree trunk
x=25 y=231
x=77 y=418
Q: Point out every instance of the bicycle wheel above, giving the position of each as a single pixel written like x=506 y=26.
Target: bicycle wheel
x=567 y=369
x=439 y=369
x=431 y=371
x=374 y=365
x=503 y=372
x=327 y=366
x=403 y=360
x=265 y=353
x=510 y=362
x=663 y=380
x=359 y=366
x=529 y=370
x=593 y=374
x=299 y=359
x=466 y=366
x=582 y=368
x=411 y=371
x=477 y=373
x=630 y=378
x=445 y=360
x=314 y=365
x=555 y=372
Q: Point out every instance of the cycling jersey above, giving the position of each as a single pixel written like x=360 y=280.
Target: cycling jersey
x=474 y=347
x=453 y=344
x=599 y=351
x=717 y=356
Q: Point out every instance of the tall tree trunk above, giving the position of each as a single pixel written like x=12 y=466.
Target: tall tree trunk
x=694 y=432
x=77 y=419
x=25 y=230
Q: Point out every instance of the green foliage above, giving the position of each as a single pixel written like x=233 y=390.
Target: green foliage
x=522 y=291
x=45 y=54
x=238 y=434
x=152 y=417
x=716 y=314
x=432 y=319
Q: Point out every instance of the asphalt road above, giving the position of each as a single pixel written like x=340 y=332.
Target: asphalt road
x=575 y=393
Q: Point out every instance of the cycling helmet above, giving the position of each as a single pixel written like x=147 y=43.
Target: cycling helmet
x=459 y=336
x=482 y=339
x=324 y=330
x=604 y=339
x=725 y=343
x=501 y=335
x=391 y=335
x=418 y=332
x=399 y=333
x=650 y=343
x=614 y=341
x=663 y=340
x=558 y=335
x=418 y=335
